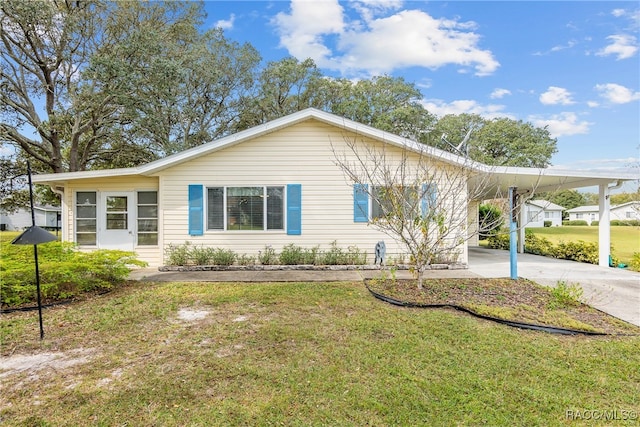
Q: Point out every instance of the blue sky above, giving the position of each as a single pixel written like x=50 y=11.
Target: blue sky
x=572 y=66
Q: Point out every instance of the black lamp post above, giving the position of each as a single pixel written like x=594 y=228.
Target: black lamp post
x=34 y=235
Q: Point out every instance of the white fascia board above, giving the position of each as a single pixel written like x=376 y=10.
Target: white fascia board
x=53 y=178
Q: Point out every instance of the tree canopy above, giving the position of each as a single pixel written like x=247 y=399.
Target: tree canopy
x=101 y=84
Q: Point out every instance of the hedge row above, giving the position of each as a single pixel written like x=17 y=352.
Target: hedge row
x=613 y=222
x=580 y=251
x=188 y=254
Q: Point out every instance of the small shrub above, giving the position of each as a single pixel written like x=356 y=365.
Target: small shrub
x=178 y=254
x=291 y=255
x=575 y=222
x=201 y=255
x=548 y=223
x=333 y=255
x=355 y=256
x=268 y=256
x=565 y=295
x=580 y=251
x=221 y=256
x=595 y=223
x=634 y=264
x=490 y=220
x=245 y=259
x=537 y=245
x=498 y=241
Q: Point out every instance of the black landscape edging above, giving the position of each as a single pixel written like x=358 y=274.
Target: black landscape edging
x=521 y=325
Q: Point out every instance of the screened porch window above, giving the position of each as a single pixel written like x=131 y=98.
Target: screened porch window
x=86 y=218
x=147 y=218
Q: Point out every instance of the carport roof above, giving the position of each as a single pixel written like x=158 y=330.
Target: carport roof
x=532 y=180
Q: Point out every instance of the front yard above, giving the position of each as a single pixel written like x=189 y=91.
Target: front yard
x=299 y=354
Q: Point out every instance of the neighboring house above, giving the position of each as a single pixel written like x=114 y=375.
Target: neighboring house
x=584 y=213
x=626 y=211
x=539 y=211
x=45 y=216
x=271 y=185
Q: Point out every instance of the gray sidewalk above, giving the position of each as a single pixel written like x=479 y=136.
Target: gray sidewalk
x=612 y=290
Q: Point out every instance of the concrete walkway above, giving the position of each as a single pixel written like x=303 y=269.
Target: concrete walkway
x=612 y=290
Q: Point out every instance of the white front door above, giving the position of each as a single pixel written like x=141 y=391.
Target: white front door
x=116 y=226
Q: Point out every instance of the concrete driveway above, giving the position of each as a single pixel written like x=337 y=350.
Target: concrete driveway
x=615 y=291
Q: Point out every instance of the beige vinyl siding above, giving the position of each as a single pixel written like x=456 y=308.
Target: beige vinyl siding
x=150 y=254
x=299 y=154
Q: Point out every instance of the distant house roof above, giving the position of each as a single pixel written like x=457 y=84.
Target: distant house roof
x=596 y=208
x=544 y=204
x=583 y=209
x=624 y=205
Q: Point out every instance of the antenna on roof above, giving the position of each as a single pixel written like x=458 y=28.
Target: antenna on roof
x=463 y=148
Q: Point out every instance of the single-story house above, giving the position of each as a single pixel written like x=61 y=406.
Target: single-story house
x=590 y=213
x=45 y=216
x=276 y=184
x=539 y=211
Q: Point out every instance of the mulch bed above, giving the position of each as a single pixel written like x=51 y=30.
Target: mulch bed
x=514 y=300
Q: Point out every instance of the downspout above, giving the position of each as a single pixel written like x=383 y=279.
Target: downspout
x=618 y=185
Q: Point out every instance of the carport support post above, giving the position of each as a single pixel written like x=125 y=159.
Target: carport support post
x=604 y=229
x=513 y=234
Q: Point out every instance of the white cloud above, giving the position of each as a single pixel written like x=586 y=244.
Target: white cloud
x=441 y=108
x=617 y=94
x=624 y=46
x=225 y=24
x=562 y=124
x=370 y=8
x=378 y=45
x=618 y=12
x=593 y=104
x=556 y=95
x=499 y=93
x=302 y=31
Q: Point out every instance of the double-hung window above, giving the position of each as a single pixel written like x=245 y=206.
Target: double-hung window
x=380 y=202
x=245 y=208
x=391 y=200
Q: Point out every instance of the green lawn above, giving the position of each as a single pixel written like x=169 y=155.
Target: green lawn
x=625 y=240
x=301 y=354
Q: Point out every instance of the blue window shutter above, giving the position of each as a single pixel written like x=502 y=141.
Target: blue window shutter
x=196 y=210
x=429 y=197
x=360 y=203
x=294 y=209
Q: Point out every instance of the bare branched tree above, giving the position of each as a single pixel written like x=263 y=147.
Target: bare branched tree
x=422 y=197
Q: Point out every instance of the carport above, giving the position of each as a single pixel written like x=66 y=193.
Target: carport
x=524 y=182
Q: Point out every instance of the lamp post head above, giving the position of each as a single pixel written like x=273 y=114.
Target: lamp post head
x=34 y=235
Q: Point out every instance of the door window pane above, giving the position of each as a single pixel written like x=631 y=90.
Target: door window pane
x=117 y=213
